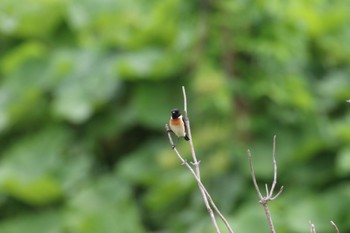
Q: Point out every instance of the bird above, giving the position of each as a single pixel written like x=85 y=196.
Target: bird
x=177 y=124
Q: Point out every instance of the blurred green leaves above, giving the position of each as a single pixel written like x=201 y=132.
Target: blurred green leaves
x=88 y=84
x=23 y=19
x=34 y=182
x=48 y=221
x=343 y=162
x=86 y=88
x=88 y=212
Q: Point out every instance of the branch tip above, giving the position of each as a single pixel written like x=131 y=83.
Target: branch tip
x=335 y=227
x=312 y=227
x=279 y=193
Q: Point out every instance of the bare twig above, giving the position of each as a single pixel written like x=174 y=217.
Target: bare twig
x=335 y=227
x=269 y=193
x=208 y=201
x=184 y=162
x=196 y=163
x=312 y=227
x=253 y=176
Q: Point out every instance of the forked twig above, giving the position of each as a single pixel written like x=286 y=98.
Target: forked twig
x=269 y=193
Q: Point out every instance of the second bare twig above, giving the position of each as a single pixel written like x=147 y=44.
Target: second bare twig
x=269 y=193
x=313 y=228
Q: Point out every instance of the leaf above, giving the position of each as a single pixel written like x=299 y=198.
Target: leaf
x=343 y=162
x=90 y=84
x=211 y=84
x=168 y=192
x=21 y=54
x=319 y=208
x=43 y=222
x=105 y=205
x=27 y=170
x=23 y=88
x=244 y=219
x=131 y=25
x=151 y=63
x=132 y=168
x=22 y=18
x=152 y=103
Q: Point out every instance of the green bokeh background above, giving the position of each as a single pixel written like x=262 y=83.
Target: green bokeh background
x=86 y=88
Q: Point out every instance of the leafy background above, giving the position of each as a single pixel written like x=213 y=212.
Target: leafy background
x=87 y=86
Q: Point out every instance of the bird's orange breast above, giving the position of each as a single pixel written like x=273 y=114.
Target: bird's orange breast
x=177 y=126
x=177 y=121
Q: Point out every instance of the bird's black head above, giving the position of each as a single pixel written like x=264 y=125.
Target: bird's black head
x=175 y=113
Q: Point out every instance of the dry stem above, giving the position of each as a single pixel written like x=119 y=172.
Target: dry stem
x=269 y=193
x=312 y=227
x=184 y=162
x=335 y=227
x=196 y=163
x=208 y=201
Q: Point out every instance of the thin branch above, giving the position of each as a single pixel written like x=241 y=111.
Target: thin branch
x=312 y=227
x=196 y=173
x=267 y=190
x=279 y=193
x=269 y=193
x=274 y=166
x=253 y=175
x=335 y=227
x=185 y=99
x=196 y=164
x=184 y=162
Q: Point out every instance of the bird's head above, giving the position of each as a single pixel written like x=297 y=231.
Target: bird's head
x=175 y=113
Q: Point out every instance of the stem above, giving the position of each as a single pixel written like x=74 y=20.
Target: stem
x=269 y=218
x=269 y=193
x=196 y=164
x=208 y=201
x=335 y=227
x=199 y=182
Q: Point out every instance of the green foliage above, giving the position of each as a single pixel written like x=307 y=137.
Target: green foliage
x=115 y=211
x=87 y=86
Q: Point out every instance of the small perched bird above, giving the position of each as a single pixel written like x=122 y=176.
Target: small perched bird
x=177 y=124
